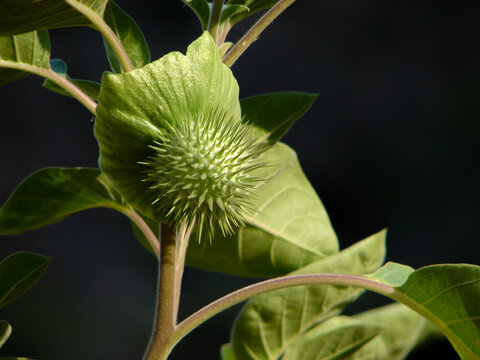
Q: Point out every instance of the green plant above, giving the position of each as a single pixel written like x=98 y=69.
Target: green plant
x=146 y=121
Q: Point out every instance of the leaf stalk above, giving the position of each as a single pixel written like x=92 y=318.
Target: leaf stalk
x=254 y=32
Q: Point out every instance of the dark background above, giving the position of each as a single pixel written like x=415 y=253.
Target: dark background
x=391 y=142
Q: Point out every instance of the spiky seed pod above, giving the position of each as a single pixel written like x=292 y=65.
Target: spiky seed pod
x=201 y=168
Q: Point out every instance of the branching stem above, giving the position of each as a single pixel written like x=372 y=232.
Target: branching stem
x=145 y=229
x=252 y=34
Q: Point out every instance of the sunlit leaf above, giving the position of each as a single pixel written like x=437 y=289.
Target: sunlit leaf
x=5 y=331
x=338 y=338
x=270 y=322
x=289 y=227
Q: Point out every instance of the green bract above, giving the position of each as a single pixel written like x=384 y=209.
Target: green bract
x=172 y=140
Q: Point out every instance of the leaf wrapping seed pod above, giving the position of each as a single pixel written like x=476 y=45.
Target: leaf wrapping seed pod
x=173 y=142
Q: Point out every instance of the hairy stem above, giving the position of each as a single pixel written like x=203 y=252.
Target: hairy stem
x=106 y=32
x=166 y=311
x=215 y=19
x=247 y=292
x=252 y=34
x=145 y=229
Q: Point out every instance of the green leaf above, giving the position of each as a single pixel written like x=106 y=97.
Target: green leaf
x=5 y=331
x=18 y=273
x=226 y=352
x=449 y=296
x=392 y=274
x=270 y=322
x=254 y=6
x=231 y=10
x=403 y=331
x=337 y=338
x=23 y=54
x=201 y=8
x=20 y=16
x=91 y=88
x=135 y=107
x=272 y=115
x=50 y=195
x=129 y=35
x=289 y=227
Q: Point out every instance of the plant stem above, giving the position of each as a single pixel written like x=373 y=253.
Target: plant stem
x=106 y=32
x=215 y=18
x=145 y=229
x=255 y=31
x=166 y=311
x=247 y=292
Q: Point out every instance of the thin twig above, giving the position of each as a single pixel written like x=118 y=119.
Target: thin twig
x=252 y=34
x=215 y=17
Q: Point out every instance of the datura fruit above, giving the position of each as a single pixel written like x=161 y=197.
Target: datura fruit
x=173 y=143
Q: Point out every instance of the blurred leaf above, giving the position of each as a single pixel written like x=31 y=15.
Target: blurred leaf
x=404 y=330
x=289 y=228
x=50 y=195
x=5 y=332
x=16 y=358
x=91 y=88
x=226 y=352
x=129 y=35
x=254 y=6
x=337 y=338
x=392 y=274
x=18 y=273
x=270 y=322
x=23 y=54
x=231 y=10
x=20 y=16
x=272 y=115
x=201 y=8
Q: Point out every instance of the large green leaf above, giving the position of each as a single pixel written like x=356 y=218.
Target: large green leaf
x=18 y=273
x=272 y=115
x=288 y=229
x=135 y=107
x=404 y=330
x=201 y=8
x=254 y=6
x=50 y=195
x=20 y=16
x=448 y=295
x=338 y=338
x=270 y=322
x=5 y=332
x=91 y=88
x=129 y=35
x=23 y=54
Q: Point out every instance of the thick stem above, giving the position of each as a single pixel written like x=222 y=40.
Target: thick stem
x=106 y=32
x=255 y=31
x=247 y=292
x=166 y=311
x=215 y=19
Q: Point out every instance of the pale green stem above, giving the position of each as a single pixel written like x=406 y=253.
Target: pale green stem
x=145 y=229
x=252 y=34
x=166 y=316
x=215 y=17
x=106 y=32
x=51 y=75
x=247 y=292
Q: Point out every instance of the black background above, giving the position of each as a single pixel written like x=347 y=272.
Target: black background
x=392 y=141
